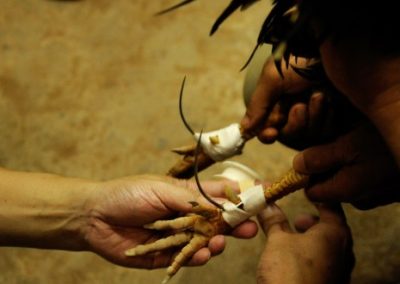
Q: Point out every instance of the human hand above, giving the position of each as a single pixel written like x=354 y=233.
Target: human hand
x=119 y=209
x=294 y=110
x=356 y=168
x=263 y=112
x=321 y=253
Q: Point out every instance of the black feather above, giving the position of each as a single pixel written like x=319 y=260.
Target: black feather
x=232 y=7
x=174 y=7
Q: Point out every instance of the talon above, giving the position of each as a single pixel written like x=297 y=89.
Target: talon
x=194 y=203
x=185 y=150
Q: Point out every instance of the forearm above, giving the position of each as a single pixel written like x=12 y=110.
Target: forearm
x=42 y=210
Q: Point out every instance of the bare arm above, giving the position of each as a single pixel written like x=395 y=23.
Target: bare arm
x=42 y=210
x=53 y=212
x=371 y=81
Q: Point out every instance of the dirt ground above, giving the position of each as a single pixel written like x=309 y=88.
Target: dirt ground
x=90 y=89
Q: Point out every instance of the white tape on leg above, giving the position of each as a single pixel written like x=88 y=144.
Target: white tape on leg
x=223 y=143
x=253 y=199
x=233 y=215
x=252 y=202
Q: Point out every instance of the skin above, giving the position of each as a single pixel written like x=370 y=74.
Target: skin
x=321 y=253
x=370 y=80
x=360 y=167
x=264 y=115
x=337 y=174
x=356 y=168
x=373 y=86
x=54 y=212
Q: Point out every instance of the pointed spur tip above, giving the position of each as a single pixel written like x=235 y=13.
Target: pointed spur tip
x=166 y=279
x=130 y=252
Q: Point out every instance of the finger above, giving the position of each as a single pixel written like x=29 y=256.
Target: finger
x=303 y=222
x=268 y=135
x=316 y=108
x=331 y=213
x=274 y=122
x=201 y=257
x=297 y=122
x=343 y=185
x=320 y=158
x=263 y=99
x=216 y=245
x=276 y=118
x=272 y=219
x=246 y=230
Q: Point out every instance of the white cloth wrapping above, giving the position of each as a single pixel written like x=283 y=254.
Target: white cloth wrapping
x=253 y=201
x=238 y=172
x=230 y=142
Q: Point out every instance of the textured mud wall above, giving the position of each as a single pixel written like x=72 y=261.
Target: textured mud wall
x=89 y=89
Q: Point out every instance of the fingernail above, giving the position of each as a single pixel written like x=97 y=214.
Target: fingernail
x=317 y=96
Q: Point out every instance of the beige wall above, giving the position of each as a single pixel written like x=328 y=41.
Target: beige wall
x=89 y=88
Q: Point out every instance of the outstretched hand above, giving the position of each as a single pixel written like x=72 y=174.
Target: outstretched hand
x=118 y=209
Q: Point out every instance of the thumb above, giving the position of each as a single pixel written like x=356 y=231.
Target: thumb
x=331 y=213
x=272 y=219
x=262 y=101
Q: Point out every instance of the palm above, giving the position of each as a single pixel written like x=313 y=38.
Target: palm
x=117 y=220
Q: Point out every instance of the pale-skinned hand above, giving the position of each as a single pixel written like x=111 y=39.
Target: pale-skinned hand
x=118 y=209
